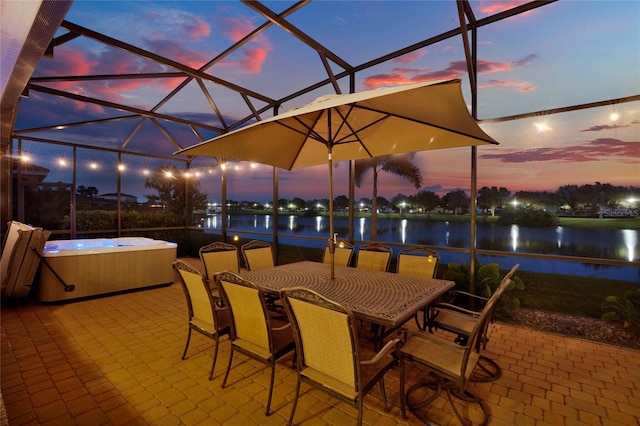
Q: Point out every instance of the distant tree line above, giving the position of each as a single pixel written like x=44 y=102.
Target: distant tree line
x=587 y=199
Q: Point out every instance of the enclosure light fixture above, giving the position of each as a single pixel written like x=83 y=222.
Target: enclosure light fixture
x=62 y=162
x=146 y=172
x=93 y=165
x=121 y=167
x=542 y=127
x=614 y=116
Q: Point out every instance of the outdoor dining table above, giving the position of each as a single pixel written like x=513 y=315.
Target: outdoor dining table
x=385 y=299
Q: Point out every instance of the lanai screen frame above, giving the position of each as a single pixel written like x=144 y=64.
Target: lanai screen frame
x=467 y=31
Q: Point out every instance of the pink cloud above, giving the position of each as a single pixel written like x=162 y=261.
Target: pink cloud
x=198 y=29
x=455 y=69
x=521 y=86
x=68 y=61
x=493 y=7
x=254 y=58
x=591 y=151
x=237 y=28
x=410 y=57
x=257 y=49
x=177 y=51
x=601 y=127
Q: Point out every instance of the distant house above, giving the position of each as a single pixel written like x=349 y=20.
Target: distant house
x=30 y=174
x=125 y=198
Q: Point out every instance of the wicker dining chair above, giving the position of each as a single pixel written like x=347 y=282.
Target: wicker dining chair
x=253 y=332
x=257 y=255
x=205 y=316
x=459 y=319
x=217 y=257
x=374 y=257
x=450 y=366
x=418 y=262
x=342 y=255
x=330 y=357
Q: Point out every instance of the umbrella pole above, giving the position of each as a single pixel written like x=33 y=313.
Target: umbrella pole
x=332 y=236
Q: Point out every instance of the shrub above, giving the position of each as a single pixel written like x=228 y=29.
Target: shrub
x=487 y=280
x=527 y=217
x=625 y=308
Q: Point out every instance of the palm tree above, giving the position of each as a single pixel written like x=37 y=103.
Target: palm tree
x=398 y=164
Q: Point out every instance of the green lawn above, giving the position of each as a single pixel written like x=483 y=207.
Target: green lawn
x=567 y=293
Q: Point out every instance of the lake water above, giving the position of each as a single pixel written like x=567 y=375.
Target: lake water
x=618 y=244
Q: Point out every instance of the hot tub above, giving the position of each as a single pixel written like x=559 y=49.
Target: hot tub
x=101 y=266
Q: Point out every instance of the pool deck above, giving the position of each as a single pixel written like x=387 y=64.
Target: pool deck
x=116 y=360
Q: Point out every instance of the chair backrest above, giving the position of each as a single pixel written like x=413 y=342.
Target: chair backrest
x=326 y=340
x=250 y=325
x=342 y=255
x=475 y=337
x=504 y=283
x=257 y=255
x=374 y=257
x=218 y=257
x=199 y=299
x=418 y=262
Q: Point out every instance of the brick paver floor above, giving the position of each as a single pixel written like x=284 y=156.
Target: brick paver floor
x=116 y=360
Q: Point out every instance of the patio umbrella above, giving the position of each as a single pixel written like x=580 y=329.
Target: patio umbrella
x=372 y=123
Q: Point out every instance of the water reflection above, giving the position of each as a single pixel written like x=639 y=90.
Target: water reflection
x=362 y=221
x=567 y=241
x=403 y=231
x=446 y=234
x=631 y=242
x=212 y=221
x=515 y=234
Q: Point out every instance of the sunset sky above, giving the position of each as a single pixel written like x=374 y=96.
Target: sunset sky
x=564 y=54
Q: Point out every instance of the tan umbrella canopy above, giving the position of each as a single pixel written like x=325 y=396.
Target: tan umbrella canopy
x=390 y=120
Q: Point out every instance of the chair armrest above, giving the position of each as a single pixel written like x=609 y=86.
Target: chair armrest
x=388 y=348
x=470 y=295
x=284 y=327
x=433 y=339
x=456 y=308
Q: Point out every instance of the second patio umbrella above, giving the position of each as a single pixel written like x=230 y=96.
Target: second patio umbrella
x=390 y=120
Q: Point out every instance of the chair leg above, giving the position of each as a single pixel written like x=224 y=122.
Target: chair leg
x=226 y=375
x=384 y=394
x=295 y=402
x=403 y=399
x=186 y=347
x=467 y=397
x=418 y=323
x=215 y=358
x=487 y=370
x=273 y=374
